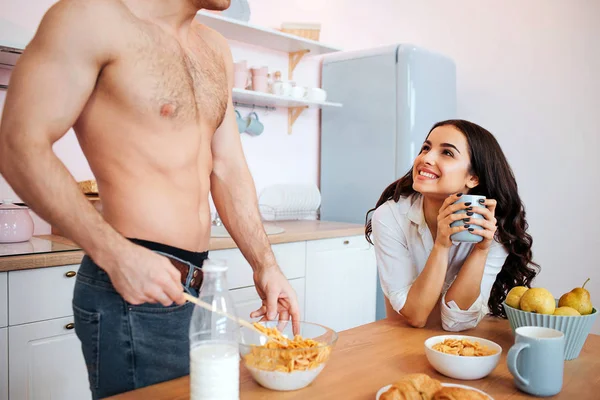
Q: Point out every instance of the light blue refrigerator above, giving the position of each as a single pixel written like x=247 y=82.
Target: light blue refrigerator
x=391 y=97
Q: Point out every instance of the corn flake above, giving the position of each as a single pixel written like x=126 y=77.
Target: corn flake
x=301 y=355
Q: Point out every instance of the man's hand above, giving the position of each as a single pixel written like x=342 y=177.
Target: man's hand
x=277 y=296
x=142 y=276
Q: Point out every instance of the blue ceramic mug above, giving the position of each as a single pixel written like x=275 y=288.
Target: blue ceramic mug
x=241 y=122
x=536 y=360
x=254 y=127
x=466 y=236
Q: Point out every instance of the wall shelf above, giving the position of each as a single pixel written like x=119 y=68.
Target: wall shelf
x=296 y=46
x=295 y=106
x=267 y=99
x=261 y=36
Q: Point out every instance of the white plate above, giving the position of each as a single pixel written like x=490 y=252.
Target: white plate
x=385 y=388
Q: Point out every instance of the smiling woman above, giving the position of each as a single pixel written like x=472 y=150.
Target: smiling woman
x=419 y=263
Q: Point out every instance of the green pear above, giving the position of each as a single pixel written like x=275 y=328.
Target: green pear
x=567 y=311
x=538 y=300
x=513 y=298
x=578 y=298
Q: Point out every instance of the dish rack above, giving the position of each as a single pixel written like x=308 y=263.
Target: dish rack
x=269 y=213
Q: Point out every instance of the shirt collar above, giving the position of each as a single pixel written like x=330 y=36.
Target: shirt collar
x=415 y=212
x=417 y=216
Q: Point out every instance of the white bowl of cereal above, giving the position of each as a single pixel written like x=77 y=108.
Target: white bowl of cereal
x=293 y=362
x=462 y=357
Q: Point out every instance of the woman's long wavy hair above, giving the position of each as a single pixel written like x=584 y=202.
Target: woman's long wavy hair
x=496 y=181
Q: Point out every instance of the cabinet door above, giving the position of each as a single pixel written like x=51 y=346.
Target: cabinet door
x=51 y=298
x=46 y=362
x=4 y=364
x=341 y=282
x=3 y=300
x=246 y=300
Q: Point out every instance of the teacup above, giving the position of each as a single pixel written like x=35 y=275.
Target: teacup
x=466 y=236
x=298 y=92
x=282 y=88
x=316 y=94
x=536 y=360
x=254 y=127
x=241 y=122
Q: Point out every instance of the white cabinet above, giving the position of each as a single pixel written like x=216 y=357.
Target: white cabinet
x=247 y=300
x=40 y=294
x=4 y=364
x=3 y=300
x=341 y=282
x=46 y=362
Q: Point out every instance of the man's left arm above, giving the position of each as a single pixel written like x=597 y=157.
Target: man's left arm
x=234 y=195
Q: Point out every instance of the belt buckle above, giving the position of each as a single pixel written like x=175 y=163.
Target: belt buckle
x=195 y=277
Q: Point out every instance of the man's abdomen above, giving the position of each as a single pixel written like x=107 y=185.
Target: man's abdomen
x=158 y=211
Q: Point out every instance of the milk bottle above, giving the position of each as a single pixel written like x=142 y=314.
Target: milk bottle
x=214 y=352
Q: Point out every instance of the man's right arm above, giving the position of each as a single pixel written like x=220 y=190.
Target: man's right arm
x=49 y=87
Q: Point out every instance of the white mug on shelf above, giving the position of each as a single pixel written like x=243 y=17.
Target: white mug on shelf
x=316 y=94
x=298 y=92
x=282 y=88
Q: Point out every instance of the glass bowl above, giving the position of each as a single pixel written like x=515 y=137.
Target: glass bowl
x=291 y=368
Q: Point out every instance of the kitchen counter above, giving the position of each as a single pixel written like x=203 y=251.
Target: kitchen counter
x=298 y=231
x=66 y=252
x=40 y=252
x=371 y=356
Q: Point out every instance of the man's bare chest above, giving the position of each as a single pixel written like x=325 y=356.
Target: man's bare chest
x=160 y=79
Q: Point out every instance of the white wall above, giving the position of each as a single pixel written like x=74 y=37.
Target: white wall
x=527 y=71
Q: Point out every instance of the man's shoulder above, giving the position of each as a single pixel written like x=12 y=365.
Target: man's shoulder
x=94 y=10
x=95 y=16
x=90 y=27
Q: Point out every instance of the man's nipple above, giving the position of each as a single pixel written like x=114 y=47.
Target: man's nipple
x=167 y=110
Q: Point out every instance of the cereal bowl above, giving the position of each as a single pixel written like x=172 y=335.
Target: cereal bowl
x=293 y=367
x=466 y=367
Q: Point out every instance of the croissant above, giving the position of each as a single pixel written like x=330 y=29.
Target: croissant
x=412 y=387
x=457 y=393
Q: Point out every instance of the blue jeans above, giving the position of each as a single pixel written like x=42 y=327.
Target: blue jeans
x=127 y=346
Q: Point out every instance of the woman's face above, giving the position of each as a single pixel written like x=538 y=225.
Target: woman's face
x=443 y=165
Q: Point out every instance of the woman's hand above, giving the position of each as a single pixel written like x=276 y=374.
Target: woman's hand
x=446 y=216
x=486 y=227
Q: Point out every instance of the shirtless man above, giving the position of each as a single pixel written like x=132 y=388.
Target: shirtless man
x=148 y=93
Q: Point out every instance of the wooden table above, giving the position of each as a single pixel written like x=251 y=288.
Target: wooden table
x=371 y=356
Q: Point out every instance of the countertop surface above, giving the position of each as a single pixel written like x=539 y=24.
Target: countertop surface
x=372 y=356
x=51 y=250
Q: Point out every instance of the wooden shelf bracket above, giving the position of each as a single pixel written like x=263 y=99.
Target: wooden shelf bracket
x=295 y=58
x=293 y=114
